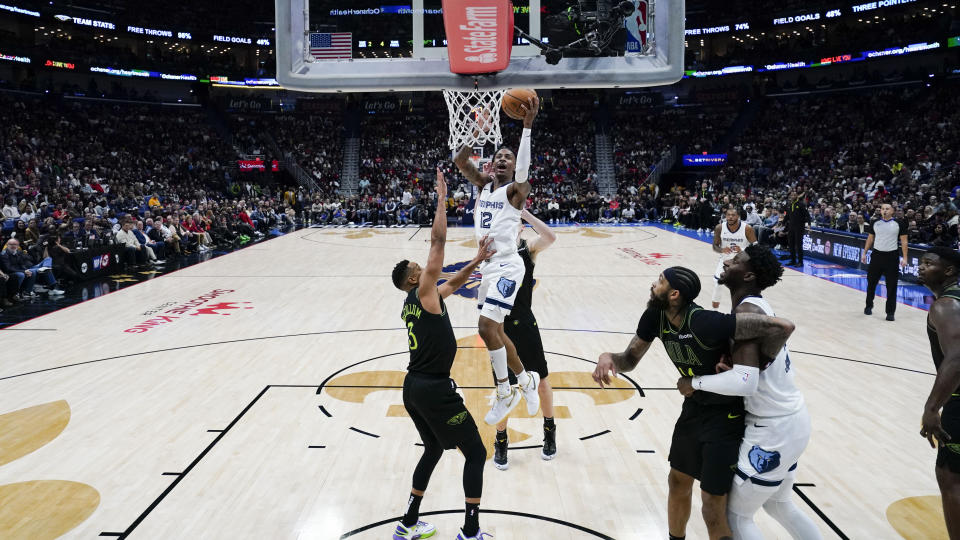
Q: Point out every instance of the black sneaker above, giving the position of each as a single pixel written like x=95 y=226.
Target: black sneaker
x=890 y=317
x=549 y=450
x=868 y=311
x=500 y=454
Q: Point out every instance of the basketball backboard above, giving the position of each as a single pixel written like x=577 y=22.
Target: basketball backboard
x=366 y=46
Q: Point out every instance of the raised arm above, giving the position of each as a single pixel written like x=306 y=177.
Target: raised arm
x=545 y=235
x=518 y=191
x=468 y=169
x=484 y=252
x=943 y=316
x=613 y=363
x=772 y=332
x=429 y=296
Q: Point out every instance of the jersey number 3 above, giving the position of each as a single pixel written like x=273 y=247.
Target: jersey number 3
x=485 y=218
x=410 y=337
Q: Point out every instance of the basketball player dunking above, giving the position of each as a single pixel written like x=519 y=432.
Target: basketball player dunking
x=429 y=394
x=706 y=438
x=521 y=328
x=729 y=238
x=497 y=215
x=777 y=422
x=939 y=271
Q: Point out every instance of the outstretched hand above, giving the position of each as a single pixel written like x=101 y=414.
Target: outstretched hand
x=441 y=186
x=605 y=367
x=530 y=110
x=485 y=251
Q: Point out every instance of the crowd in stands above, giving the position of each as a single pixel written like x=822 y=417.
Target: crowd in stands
x=78 y=176
x=897 y=146
x=158 y=180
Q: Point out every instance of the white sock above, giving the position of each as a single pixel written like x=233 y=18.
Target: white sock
x=523 y=378
x=499 y=360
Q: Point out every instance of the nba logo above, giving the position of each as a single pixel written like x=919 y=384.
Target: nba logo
x=485 y=58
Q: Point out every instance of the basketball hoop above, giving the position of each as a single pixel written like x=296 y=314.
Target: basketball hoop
x=474 y=117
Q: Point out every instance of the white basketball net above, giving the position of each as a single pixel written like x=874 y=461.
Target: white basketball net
x=474 y=117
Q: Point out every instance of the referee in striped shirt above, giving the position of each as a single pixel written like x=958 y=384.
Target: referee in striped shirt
x=883 y=236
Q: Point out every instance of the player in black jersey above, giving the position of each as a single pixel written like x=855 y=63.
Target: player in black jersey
x=939 y=270
x=429 y=394
x=521 y=327
x=706 y=438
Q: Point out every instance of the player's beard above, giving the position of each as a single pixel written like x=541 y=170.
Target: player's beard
x=658 y=302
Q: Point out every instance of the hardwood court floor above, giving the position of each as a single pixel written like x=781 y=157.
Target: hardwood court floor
x=188 y=406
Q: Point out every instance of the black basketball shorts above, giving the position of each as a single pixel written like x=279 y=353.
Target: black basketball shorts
x=948 y=455
x=706 y=444
x=525 y=335
x=438 y=411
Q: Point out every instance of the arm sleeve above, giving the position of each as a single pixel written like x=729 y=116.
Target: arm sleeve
x=713 y=328
x=649 y=325
x=739 y=381
x=523 y=157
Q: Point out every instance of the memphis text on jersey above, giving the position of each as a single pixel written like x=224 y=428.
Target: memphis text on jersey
x=490 y=205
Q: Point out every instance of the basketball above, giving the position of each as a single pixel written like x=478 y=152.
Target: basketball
x=513 y=99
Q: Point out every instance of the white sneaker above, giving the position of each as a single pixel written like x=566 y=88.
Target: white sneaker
x=55 y=292
x=42 y=269
x=502 y=405
x=479 y=536
x=421 y=530
x=530 y=393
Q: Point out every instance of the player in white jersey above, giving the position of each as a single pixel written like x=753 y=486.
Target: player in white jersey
x=729 y=238
x=777 y=422
x=503 y=194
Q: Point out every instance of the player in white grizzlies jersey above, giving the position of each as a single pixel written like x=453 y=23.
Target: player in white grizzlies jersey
x=503 y=194
x=730 y=237
x=777 y=422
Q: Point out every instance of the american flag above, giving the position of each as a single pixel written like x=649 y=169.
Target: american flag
x=336 y=45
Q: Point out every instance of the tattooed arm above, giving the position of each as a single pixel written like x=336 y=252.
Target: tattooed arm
x=772 y=332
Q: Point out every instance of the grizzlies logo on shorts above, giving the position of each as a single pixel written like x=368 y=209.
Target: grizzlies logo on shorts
x=506 y=287
x=764 y=461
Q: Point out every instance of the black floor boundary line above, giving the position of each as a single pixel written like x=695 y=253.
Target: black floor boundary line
x=645 y=451
x=420 y=228
x=580 y=528
x=367 y=433
x=316 y=446
x=325 y=411
x=190 y=467
x=585 y=437
x=815 y=508
x=490 y=387
x=636 y=414
x=531 y=447
x=865 y=362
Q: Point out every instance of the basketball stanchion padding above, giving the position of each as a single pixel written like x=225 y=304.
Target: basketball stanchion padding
x=479 y=35
x=474 y=117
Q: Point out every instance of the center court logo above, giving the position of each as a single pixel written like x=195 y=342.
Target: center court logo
x=471 y=370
